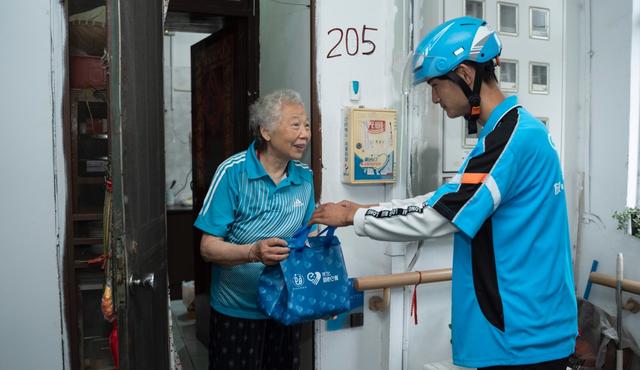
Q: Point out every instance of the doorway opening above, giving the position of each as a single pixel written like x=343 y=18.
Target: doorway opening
x=210 y=79
x=214 y=62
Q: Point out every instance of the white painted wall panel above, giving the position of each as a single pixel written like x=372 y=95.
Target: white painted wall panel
x=285 y=50
x=365 y=347
x=285 y=47
x=32 y=218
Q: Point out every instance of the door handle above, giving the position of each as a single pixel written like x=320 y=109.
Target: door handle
x=147 y=281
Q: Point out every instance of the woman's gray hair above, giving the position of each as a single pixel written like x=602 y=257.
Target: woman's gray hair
x=266 y=112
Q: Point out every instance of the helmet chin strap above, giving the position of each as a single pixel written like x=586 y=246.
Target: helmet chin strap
x=473 y=97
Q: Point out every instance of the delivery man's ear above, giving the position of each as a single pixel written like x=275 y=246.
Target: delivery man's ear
x=467 y=73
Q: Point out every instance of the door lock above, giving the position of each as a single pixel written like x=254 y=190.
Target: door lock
x=147 y=281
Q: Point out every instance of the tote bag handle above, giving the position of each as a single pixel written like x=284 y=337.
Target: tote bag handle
x=300 y=236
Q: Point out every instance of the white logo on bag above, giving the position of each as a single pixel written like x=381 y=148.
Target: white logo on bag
x=298 y=280
x=298 y=203
x=327 y=277
x=314 y=277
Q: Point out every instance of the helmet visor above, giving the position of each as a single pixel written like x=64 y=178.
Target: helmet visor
x=407 y=74
x=419 y=68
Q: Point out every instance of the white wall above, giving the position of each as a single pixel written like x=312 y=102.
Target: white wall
x=285 y=49
x=370 y=346
x=605 y=153
x=33 y=188
x=177 y=113
x=574 y=114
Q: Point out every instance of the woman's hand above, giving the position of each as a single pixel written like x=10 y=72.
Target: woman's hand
x=269 y=251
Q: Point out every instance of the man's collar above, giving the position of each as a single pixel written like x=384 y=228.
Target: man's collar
x=498 y=112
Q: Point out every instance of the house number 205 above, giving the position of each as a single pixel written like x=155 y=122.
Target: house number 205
x=354 y=42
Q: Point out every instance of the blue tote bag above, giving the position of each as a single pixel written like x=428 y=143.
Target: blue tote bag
x=311 y=283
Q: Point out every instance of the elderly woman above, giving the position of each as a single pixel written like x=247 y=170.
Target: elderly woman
x=257 y=198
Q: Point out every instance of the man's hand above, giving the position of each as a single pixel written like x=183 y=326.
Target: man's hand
x=269 y=251
x=335 y=214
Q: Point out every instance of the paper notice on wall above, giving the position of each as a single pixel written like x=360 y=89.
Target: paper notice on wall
x=369 y=153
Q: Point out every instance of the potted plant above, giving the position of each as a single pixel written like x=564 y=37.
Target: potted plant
x=628 y=220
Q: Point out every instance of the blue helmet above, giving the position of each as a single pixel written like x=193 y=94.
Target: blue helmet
x=446 y=47
x=451 y=43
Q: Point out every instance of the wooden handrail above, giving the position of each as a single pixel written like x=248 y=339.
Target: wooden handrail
x=387 y=282
x=431 y=276
x=405 y=278
x=630 y=286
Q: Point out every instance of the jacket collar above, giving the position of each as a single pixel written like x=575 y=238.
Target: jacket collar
x=498 y=112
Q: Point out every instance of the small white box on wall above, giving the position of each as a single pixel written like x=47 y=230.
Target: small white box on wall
x=369 y=146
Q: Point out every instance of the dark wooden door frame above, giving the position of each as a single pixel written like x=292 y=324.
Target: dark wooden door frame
x=139 y=215
x=316 y=131
x=246 y=9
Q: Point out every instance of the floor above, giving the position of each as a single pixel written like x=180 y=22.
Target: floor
x=192 y=354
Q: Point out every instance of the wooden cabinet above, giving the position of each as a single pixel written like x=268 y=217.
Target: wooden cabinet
x=180 y=256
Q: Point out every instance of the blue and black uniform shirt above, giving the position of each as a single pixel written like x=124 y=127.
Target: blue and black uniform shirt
x=513 y=298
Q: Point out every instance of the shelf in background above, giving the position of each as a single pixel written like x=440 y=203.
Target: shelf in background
x=87 y=216
x=87 y=241
x=91 y=180
x=94 y=136
x=83 y=265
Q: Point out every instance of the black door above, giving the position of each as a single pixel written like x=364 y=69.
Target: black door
x=138 y=241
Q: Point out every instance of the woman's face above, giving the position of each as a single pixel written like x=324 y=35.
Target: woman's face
x=291 y=135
